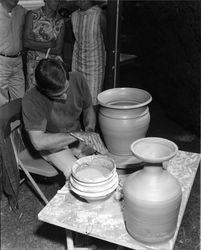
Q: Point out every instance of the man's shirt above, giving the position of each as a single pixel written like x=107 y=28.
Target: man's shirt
x=11 y=28
x=43 y=114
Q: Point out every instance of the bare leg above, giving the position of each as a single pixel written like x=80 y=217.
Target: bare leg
x=63 y=160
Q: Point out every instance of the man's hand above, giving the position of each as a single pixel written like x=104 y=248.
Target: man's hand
x=84 y=150
x=89 y=129
x=89 y=119
x=92 y=139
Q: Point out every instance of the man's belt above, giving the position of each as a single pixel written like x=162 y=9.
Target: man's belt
x=12 y=56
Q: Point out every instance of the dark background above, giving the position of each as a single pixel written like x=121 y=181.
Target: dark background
x=165 y=35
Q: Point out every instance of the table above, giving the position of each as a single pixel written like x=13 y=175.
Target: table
x=104 y=220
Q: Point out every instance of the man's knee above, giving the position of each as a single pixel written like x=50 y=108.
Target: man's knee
x=62 y=160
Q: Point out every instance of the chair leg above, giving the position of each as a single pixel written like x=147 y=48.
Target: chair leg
x=34 y=183
x=69 y=240
x=22 y=180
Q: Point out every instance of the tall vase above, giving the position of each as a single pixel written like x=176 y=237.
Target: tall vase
x=152 y=196
x=123 y=117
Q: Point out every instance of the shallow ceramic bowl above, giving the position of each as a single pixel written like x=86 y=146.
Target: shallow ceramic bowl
x=93 y=169
x=99 y=187
x=154 y=149
x=96 y=195
x=94 y=184
x=99 y=199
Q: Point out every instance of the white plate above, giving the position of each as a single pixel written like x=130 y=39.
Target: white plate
x=94 y=195
x=94 y=184
x=94 y=189
x=100 y=198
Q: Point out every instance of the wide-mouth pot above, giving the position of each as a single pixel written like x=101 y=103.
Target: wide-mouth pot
x=124 y=98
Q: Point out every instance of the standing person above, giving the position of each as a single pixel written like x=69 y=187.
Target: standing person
x=12 y=82
x=43 y=36
x=52 y=110
x=89 y=27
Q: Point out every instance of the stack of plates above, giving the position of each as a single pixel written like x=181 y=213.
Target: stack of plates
x=94 y=177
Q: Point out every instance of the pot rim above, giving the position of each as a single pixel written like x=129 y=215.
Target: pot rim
x=110 y=91
x=155 y=140
x=89 y=160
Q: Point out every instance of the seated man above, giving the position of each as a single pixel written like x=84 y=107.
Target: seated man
x=52 y=110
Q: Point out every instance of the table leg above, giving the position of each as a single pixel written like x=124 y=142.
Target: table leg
x=69 y=240
x=70 y=243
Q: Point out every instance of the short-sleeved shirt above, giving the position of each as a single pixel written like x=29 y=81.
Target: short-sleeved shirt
x=43 y=114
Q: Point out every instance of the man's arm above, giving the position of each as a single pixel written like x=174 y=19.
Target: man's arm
x=89 y=119
x=50 y=141
x=57 y=50
x=55 y=142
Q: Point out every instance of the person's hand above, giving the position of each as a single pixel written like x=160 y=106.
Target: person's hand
x=84 y=150
x=89 y=129
x=84 y=147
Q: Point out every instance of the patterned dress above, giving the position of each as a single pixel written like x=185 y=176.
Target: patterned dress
x=45 y=29
x=89 y=50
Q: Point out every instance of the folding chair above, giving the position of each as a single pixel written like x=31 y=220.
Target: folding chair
x=10 y=122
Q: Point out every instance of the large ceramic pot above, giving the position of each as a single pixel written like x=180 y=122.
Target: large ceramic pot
x=152 y=196
x=123 y=117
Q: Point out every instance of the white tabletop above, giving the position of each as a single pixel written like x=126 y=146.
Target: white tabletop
x=104 y=220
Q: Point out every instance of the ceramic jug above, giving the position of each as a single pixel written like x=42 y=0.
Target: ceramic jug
x=123 y=117
x=152 y=196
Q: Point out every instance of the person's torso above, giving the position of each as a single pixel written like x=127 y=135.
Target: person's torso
x=87 y=31
x=11 y=28
x=62 y=117
x=45 y=28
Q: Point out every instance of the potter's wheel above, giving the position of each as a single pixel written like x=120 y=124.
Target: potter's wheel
x=125 y=161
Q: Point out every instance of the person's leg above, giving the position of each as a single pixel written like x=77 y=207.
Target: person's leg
x=5 y=73
x=63 y=160
x=17 y=81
